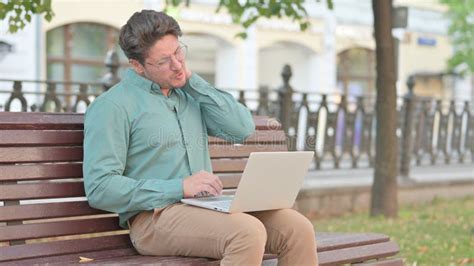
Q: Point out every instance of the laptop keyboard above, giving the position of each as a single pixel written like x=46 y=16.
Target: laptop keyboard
x=222 y=202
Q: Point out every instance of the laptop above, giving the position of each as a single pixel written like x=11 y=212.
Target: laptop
x=271 y=180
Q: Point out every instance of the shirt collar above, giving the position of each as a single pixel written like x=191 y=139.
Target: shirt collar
x=142 y=82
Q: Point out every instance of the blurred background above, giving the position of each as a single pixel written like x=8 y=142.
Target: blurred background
x=336 y=55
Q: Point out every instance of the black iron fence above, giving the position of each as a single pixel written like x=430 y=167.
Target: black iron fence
x=339 y=128
x=57 y=96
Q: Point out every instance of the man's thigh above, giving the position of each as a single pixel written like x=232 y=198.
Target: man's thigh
x=282 y=224
x=184 y=230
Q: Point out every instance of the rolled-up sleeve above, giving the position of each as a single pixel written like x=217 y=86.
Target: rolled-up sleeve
x=106 y=139
x=223 y=115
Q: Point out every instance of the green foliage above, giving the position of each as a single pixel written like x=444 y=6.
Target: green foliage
x=461 y=31
x=440 y=233
x=248 y=12
x=19 y=12
x=245 y=13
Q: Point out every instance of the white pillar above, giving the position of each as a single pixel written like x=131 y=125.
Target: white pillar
x=327 y=60
x=464 y=88
x=315 y=73
x=249 y=61
x=227 y=67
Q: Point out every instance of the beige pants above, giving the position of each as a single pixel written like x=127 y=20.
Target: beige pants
x=237 y=239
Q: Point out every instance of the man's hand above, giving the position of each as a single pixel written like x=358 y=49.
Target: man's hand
x=201 y=181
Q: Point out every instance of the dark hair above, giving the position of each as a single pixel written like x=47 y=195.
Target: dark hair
x=142 y=30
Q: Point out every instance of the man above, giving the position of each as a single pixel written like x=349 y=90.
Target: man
x=145 y=149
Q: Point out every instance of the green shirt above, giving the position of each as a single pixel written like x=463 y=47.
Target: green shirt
x=139 y=144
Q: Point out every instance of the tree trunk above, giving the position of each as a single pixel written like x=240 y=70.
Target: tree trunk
x=384 y=189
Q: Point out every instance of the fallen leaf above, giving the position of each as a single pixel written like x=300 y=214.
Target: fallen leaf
x=422 y=249
x=465 y=261
x=84 y=259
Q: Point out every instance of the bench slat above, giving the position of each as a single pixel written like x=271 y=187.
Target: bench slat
x=358 y=253
x=162 y=260
x=74 y=258
x=75 y=137
x=40 y=154
x=61 y=228
x=64 y=247
x=36 y=121
x=74 y=170
x=382 y=262
x=41 y=190
x=345 y=240
x=230 y=180
x=40 y=171
x=74 y=121
x=241 y=151
x=265 y=136
x=47 y=210
x=40 y=137
x=228 y=166
x=65 y=154
x=48 y=190
x=265 y=123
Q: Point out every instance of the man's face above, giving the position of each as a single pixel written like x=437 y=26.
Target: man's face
x=165 y=63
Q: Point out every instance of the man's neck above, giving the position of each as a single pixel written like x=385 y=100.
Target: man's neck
x=165 y=92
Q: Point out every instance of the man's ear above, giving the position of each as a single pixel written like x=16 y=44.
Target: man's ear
x=137 y=66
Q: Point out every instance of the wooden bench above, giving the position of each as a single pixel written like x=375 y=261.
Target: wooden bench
x=45 y=217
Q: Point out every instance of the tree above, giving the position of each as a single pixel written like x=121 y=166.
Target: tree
x=19 y=12
x=461 y=32
x=246 y=13
x=384 y=189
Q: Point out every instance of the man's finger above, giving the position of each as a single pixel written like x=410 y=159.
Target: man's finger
x=216 y=187
x=215 y=179
x=212 y=190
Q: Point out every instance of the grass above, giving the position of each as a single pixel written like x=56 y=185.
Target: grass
x=439 y=233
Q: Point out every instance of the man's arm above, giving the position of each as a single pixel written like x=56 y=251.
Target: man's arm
x=106 y=139
x=224 y=116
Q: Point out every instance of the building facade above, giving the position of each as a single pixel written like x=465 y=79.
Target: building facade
x=336 y=55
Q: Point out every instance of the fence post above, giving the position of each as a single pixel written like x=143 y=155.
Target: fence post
x=285 y=101
x=263 y=102
x=407 y=132
x=112 y=63
x=17 y=93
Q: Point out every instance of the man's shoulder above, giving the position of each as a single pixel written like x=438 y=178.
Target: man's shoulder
x=120 y=95
x=112 y=100
x=116 y=92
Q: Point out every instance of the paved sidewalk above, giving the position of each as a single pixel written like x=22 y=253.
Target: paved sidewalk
x=363 y=177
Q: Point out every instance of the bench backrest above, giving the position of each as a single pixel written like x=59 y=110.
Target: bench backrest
x=44 y=211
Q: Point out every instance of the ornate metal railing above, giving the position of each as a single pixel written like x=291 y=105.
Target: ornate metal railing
x=47 y=96
x=339 y=128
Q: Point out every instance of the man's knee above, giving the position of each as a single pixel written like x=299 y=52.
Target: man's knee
x=296 y=225
x=250 y=234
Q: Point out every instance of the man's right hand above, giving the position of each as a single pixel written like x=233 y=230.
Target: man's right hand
x=201 y=181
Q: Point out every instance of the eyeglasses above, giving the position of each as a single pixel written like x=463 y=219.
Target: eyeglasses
x=179 y=54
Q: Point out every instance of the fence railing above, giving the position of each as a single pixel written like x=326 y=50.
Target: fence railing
x=55 y=98
x=339 y=128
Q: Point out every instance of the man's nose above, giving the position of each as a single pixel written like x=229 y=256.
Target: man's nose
x=175 y=63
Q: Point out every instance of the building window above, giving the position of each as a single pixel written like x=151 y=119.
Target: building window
x=356 y=71
x=76 y=52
